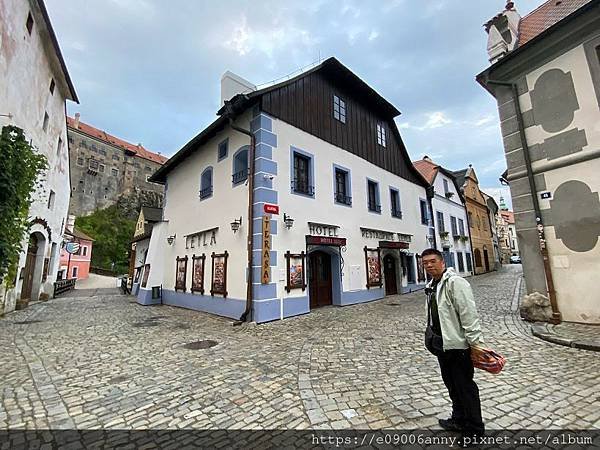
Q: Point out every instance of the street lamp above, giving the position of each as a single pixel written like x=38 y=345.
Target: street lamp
x=236 y=224
x=171 y=238
x=289 y=222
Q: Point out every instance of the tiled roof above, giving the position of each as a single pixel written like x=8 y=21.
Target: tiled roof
x=426 y=168
x=509 y=216
x=545 y=16
x=139 y=150
x=79 y=234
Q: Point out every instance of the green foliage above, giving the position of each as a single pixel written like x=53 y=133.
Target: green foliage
x=20 y=170
x=112 y=232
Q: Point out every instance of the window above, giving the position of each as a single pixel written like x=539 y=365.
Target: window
x=446 y=188
x=29 y=23
x=70 y=139
x=424 y=212
x=52 y=85
x=469 y=262
x=223 y=148
x=84 y=251
x=74 y=272
x=206 y=183
x=51 y=198
x=240 y=166
x=101 y=168
x=342 y=187
x=83 y=144
x=395 y=203
x=103 y=152
x=339 y=109
x=440 y=219
x=461 y=264
x=93 y=165
x=471 y=224
x=301 y=183
x=453 y=226
x=115 y=158
x=381 y=134
x=137 y=164
x=46 y=120
x=115 y=172
x=94 y=148
x=461 y=227
x=80 y=161
x=148 y=169
x=373 y=196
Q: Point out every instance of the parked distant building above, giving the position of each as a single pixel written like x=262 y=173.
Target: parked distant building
x=545 y=76
x=77 y=264
x=504 y=240
x=339 y=215
x=147 y=218
x=513 y=243
x=34 y=86
x=494 y=217
x=479 y=220
x=103 y=167
x=449 y=216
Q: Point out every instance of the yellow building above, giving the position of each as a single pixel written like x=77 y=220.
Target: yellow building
x=479 y=221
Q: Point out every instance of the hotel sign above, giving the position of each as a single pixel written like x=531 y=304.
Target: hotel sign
x=266 y=250
x=321 y=229
x=322 y=240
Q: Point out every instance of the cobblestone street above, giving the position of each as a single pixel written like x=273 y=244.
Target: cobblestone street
x=105 y=362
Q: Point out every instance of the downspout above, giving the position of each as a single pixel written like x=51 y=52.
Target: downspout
x=556 y=315
x=472 y=254
x=249 y=283
x=430 y=191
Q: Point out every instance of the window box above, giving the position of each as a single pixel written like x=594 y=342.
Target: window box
x=464 y=238
x=449 y=195
x=444 y=234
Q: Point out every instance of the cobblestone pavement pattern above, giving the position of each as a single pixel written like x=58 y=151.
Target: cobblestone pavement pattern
x=106 y=362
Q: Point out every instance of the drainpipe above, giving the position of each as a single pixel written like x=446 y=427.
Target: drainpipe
x=556 y=315
x=249 y=293
x=430 y=191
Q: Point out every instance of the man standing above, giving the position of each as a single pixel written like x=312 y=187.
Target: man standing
x=453 y=333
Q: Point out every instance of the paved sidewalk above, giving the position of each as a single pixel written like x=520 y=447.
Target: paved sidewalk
x=586 y=337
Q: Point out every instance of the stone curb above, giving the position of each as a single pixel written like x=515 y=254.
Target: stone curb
x=542 y=332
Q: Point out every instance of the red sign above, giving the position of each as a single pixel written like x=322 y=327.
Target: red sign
x=271 y=209
x=322 y=240
x=393 y=244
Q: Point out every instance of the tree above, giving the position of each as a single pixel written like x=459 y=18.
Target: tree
x=112 y=232
x=20 y=170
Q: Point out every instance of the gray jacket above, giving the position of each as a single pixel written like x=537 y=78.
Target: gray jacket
x=459 y=320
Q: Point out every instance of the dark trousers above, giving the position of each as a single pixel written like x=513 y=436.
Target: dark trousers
x=457 y=373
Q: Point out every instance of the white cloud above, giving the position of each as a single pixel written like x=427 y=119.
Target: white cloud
x=374 y=35
x=436 y=120
x=497 y=166
x=484 y=121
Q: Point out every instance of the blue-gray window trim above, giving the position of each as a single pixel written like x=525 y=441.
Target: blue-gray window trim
x=348 y=185
x=441 y=221
x=245 y=148
x=399 y=205
x=224 y=142
x=208 y=169
x=377 y=195
x=424 y=219
x=311 y=169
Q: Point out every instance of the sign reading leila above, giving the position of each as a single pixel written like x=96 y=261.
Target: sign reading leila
x=204 y=238
x=321 y=229
x=266 y=250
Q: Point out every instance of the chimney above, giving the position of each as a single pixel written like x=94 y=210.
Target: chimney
x=427 y=158
x=76 y=123
x=503 y=32
x=232 y=84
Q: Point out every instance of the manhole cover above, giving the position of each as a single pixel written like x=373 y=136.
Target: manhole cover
x=118 y=379
x=27 y=322
x=145 y=324
x=199 y=345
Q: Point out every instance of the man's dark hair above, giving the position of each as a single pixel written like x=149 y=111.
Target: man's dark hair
x=432 y=251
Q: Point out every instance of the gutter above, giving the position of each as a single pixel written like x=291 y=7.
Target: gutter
x=249 y=284
x=556 y=315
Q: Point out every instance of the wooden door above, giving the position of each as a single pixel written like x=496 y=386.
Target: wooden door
x=486 y=260
x=389 y=273
x=319 y=279
x=29 y=268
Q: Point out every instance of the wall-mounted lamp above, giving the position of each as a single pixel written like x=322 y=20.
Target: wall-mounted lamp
x=170 y=239
x=289 y=222
x=236 y=224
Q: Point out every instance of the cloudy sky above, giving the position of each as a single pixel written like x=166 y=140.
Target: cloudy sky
x=149 y=70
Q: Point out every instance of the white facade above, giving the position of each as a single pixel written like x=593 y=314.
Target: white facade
x=455 y=245
x=33 y=90
x=514 y=243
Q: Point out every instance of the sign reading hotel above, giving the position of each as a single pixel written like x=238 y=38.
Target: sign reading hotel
x=321 y=229
x=266 y=250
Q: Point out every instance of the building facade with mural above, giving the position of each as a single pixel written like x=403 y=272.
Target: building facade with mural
x=103 y=167
x=545 y=76
x=34 y=88
x=338 y=213
x=478 y=216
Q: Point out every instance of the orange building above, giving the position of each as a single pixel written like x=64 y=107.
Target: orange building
x=76 y=265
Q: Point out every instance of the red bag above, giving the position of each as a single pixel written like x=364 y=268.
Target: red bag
x=488 y=360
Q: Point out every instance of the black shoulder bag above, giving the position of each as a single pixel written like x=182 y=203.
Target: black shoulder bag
x=433 y=341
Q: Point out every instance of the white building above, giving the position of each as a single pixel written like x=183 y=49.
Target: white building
x=452 y=235
x=339 y=213
x=34 y=85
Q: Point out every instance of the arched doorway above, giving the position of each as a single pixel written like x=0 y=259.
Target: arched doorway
x=389 y=274
x=319 y=279
x=32 y=272
x=486 y=259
